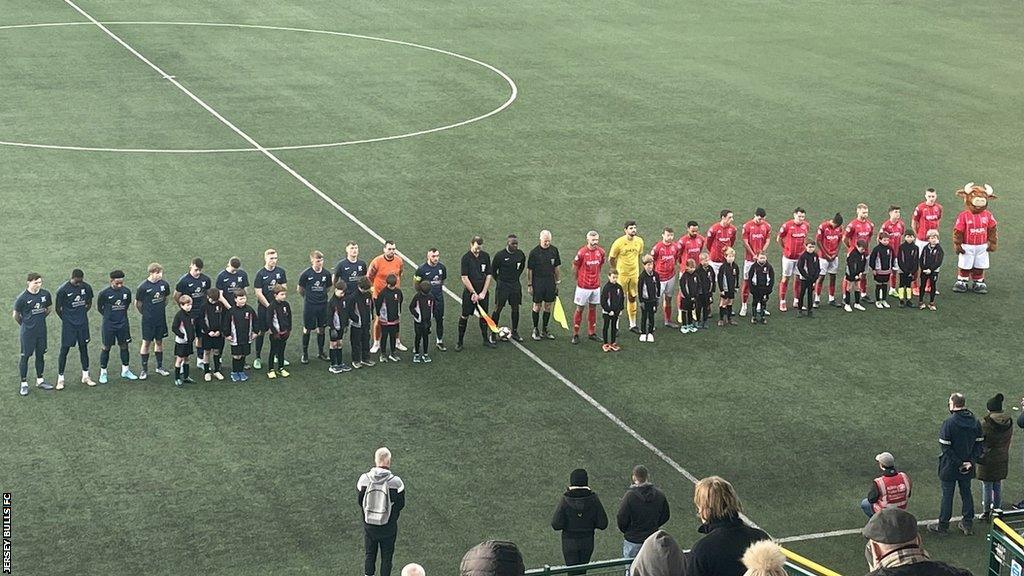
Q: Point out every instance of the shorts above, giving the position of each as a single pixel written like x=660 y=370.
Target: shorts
x=974 y=256
x=335 y=335
x=72 y=335
x=261 y=324
x=469 y=307
x=33 y=343
x=122 y=335
x=715 y=266
x=729 y=295
x=828 y=266
x=544 y=290
x=882 y=278
x=788 y=267
x=629 y=284
x=747 y=265
x=314 y=316
x=584 y=296
x=212 y=342
x=183 y=350
x=920 y=244
x=241 y=349
x=154 y=329
x=439 y=306
x=668 y=287
x=511 y=295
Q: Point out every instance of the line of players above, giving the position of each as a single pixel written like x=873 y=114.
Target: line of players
x=316 y=285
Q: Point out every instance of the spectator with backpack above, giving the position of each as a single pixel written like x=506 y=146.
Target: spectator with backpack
x=381 y=494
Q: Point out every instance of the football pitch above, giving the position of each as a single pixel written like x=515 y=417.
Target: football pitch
x=169 y=130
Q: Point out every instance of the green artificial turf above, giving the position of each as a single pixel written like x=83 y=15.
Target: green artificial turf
x=656 y=111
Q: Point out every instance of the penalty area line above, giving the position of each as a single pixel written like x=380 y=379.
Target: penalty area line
x=309 y=185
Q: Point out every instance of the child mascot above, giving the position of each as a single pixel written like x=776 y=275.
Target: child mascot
x=974 y=236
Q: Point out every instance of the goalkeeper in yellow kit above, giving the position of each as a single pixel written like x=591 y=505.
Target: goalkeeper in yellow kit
x=624 y=257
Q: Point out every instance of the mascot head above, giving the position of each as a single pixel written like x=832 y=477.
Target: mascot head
x=976 y=197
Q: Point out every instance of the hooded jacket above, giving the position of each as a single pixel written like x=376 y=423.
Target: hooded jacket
x=493 y=558
x=579 y=513
x=643 y=510
x=961 y=440
x=396 y=491
x=720 y=552
x=659 y=556
x=995 y=460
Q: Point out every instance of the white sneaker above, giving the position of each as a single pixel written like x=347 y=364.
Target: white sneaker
x=650 y=337
x=848 y=308
x=885 y=304
x=743 y=309
x=643 y=337
x=399 y=346
x=376 y=347
x=60 y=382
x=859 y=307
x=796 y=302
x=782 y=305
x=892 y=291
x=878 y=305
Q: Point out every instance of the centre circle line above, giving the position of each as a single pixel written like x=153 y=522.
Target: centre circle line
x=513 y=90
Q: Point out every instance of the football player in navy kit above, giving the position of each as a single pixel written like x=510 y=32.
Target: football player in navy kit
x=231 y=278
x=314 y=283
x=72 y=304
x=263 y=282
x=112 y=303
x=350 y=268
x=194 y=284
x=151 y=301
x=434 y=271
x=30 y=311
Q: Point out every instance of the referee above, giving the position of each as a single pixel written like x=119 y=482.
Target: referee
x=542 y=282
x=476 y=280
x=507 y=268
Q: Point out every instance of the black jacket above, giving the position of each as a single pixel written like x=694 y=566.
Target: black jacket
x=360 y=310
x=279 y=318
x=855 y=263
x=908 y=258
x=808 y=266
x=719 y=553
x=612 y=299
x=931 y=258
x=642 y=511
x=728 y=277
x=579 y=513
x=761 y=277
x=705 y=281
x=688 y=285
x=961 y=440
x=880 y=260
x=648 y=287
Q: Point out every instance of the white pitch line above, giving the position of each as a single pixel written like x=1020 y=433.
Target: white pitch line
x=302 y=179
x=848 y=532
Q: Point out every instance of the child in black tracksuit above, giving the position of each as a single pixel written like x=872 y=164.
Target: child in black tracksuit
x=210 y=334
x=239 y=330
x=705 y=290
x=279 y=324
x=728 y=281
x=649 y=293
x=931 y=261
x=808 y=267
x=761 y=278
x=613 y=300
x=688 y=297
x=881 y=262
x=908 y=259
x=337 y=321
x=856 y=261
x=184 y=330
x=360 y=323
x=422 y=308
x=388 y=307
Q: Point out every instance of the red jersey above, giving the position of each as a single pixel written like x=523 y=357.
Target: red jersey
x=690 y=248
x=858 y=230
x=793 y=238
x=587 y=264
x=755 y=235
x=719 y=238
x=828 y=237
x=894 y=230
x=665 y=256
x=974 y=227
x=926 y=218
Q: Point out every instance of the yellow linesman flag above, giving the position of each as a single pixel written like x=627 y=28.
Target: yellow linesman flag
x=490 y=321
x=559 y=314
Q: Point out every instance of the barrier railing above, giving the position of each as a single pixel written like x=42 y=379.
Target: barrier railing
x=1005 y=543
x=796 y=565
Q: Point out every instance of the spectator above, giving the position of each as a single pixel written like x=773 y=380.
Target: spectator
x=727 y=535
x=413 y=570
x=997 y=426
x=579 y=513
x=381 y=495
x=892 y=488
x=493 y=558
x=764 y=558
x=659 y=556
x=894 y=547
x=642 y=511
x=961 y=440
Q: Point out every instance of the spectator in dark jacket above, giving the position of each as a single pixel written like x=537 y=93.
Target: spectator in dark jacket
x=961 y=440
x=381 y=536
x=493 y=558
x=642 y=511
x=894 y=547
x=660 y=555
x=997 y=426
x=579 y=513
x=727 y=536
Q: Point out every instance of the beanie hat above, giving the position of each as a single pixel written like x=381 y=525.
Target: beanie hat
x=578 y=477
x=995 y=404
x=493 y=558
x=764 y=558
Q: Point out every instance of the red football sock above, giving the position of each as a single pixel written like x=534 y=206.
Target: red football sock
x=745 y=291
x=577 y=317
x=783 y=286
x=592 y=319
x=832 y=285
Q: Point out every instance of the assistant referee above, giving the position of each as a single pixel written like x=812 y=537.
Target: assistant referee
x=476 y=281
